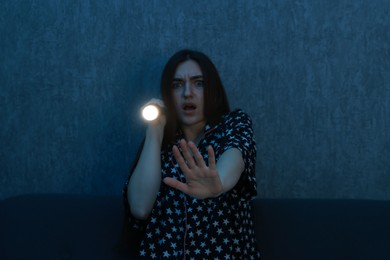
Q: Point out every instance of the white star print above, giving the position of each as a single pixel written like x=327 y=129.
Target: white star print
x=207 y=228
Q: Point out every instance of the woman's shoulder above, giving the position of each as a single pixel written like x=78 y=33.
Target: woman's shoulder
x=237 y=115
x=231 y=119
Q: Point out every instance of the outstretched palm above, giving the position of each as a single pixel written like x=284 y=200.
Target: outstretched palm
x=202 y=181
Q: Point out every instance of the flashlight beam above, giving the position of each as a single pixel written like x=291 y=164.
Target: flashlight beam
x=150 y=112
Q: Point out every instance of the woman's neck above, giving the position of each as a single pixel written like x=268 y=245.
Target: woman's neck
x=193 y=132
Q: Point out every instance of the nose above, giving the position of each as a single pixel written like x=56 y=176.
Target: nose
x=187 y=91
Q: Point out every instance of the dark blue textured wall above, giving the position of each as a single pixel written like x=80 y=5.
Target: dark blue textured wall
x=314 y=76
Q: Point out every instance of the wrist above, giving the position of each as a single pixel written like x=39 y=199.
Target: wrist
x=155 y=133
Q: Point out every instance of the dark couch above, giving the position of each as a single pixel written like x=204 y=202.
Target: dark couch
x=88 y=227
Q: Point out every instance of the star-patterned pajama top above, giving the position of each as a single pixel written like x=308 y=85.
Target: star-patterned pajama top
x=181 y=226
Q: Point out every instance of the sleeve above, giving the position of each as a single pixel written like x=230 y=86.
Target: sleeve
x=239 y=134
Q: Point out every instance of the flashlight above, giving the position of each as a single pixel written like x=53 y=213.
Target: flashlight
x=150 y=112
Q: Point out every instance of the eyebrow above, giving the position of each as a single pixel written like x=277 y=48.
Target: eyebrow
x=191 y=78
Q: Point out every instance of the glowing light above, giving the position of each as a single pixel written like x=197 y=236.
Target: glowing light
x=150 y=112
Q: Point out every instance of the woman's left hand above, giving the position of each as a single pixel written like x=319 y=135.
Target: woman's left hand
x=202 y=181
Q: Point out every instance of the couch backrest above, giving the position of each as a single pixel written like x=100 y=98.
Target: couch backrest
x=60 y=227
x=323 y=229
x=89 y=227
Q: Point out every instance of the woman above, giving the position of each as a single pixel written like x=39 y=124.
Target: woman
x=189 y=192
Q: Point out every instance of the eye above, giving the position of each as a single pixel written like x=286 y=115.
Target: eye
x=177 y=84
x=199 y=83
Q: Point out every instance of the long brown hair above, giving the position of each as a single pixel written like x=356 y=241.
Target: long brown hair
x=215 y=101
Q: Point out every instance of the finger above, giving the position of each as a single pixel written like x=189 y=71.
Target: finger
x=180 y=160
x=160 y=103
x=176 y=184
x=210 y=151
x=155 y=101
x=198 y=157
x=187 y=155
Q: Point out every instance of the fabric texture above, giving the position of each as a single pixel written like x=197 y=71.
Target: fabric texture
x=213 y=228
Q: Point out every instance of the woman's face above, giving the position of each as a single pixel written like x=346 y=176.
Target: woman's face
x=188 y=94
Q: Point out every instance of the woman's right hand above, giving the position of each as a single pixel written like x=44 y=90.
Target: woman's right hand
x=156 y=127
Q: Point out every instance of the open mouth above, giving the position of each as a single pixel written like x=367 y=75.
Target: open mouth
x=189 y=107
